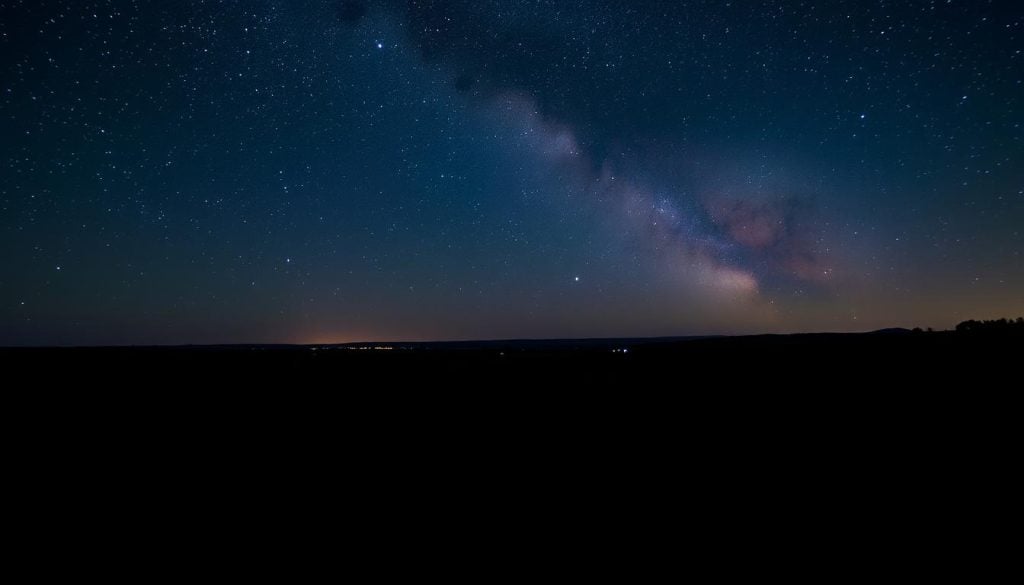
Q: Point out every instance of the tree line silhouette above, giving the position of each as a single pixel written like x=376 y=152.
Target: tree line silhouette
x=993 y=327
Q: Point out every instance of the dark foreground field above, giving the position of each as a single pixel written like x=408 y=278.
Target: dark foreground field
x=818 y=454
x=875 y=360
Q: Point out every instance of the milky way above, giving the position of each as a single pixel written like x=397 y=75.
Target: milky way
x=338 y=170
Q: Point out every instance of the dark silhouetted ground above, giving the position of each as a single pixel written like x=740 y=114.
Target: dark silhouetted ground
x=823 y=361
x=787 y=448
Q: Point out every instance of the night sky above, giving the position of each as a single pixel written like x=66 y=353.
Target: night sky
x=309 y=171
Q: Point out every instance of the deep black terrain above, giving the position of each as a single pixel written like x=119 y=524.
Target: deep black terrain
x=970 y=355
x=885 y=438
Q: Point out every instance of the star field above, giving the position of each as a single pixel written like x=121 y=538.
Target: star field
x=316 y=171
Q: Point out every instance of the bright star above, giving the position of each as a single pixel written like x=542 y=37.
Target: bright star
x=577 y=279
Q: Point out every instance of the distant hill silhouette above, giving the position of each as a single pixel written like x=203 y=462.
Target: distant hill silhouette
x=975 y=355
x=892 y=331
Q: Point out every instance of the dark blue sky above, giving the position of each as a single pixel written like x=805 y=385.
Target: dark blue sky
x=286 y=171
